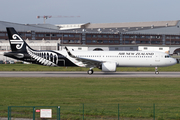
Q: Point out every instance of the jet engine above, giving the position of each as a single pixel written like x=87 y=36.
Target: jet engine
x=108 y=67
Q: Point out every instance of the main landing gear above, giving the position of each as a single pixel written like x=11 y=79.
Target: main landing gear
x=156 y=71
x=90 y=71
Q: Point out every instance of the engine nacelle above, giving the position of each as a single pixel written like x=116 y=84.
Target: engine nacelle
x=108 y=67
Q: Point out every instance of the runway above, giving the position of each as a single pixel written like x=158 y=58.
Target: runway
x=84 y=74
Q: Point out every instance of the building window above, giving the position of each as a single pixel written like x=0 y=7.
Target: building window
x=2 y=34
x=116 y=41
x=47 y=35
x=158 y=37
x=172 y=37
x=126 y=36
x=158 y=42
x=59 y=35
x=143 y=42
x=167 y=37
x=88 y=36
x=137 y=36
x=105 y=41
x=142 y=36
x=111 y=41
x=177 y=42
x=22 y=34
x=99 y=36
x=99 y=41
x=153 y=37
x=77 y=36
x=137 y=41
x=147 y=42
x=28 y=35
x=40 y=35
x=167 y=42
x=105 y=36
x=88 y=41
x=131 y=37
x=65 y=41
x=71 y=41
x=127 y=41
x=172 y=42
x=155 y=42
x=116 y=36
x=71 y=35
x=147 y=37
x=94 y=36
x=110 y=36
x=53 y=35
x=177 y=37
x=65 y=35
x=94 y=41
x=77 y=41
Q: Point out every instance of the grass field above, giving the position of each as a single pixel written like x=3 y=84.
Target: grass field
x=56 y=91
x=100 y=96
x=97 y=98
x=34 y=67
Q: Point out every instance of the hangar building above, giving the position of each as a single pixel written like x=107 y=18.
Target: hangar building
x=158 y=35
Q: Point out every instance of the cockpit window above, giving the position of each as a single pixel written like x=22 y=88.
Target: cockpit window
x=167 y=56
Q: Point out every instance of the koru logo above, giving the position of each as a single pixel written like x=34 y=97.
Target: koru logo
x=19 y=43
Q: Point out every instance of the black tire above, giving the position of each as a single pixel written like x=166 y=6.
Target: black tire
x=156 y=72
x=90 y=72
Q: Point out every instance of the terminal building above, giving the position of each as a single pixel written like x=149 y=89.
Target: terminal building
x=152 y=36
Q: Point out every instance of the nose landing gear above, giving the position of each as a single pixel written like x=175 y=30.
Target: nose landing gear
x=156 y=71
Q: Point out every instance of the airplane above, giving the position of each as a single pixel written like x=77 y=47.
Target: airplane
x=107 y=61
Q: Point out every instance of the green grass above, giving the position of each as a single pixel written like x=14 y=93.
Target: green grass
x=34 y=67
x=56 y=91
x=100 y=96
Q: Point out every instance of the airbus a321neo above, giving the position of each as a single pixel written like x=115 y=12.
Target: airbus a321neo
x=107 y=61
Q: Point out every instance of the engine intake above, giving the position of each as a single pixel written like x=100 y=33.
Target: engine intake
x=108 y=67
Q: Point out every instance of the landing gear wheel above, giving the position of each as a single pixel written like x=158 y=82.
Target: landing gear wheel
x=156 y=72
x=90 y=72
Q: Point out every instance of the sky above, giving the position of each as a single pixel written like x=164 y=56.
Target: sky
x=93 y=11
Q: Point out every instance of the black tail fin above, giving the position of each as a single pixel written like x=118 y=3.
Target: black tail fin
x=16 y=42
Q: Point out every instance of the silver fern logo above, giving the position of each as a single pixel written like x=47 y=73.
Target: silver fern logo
x=44 y=58
x=19 y=43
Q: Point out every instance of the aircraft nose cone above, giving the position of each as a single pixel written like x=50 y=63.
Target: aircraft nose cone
x=173 y=61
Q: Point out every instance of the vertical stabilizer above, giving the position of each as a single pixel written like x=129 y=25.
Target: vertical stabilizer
x=16 y=42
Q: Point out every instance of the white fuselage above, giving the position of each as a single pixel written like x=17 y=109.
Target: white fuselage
x=123 y=58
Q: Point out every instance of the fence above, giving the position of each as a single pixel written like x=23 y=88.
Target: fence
x=100 y=111
x=29 y=112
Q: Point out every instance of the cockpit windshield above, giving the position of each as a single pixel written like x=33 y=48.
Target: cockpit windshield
x=167 y=56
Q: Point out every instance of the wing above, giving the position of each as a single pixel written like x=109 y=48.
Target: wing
x=87 y=61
